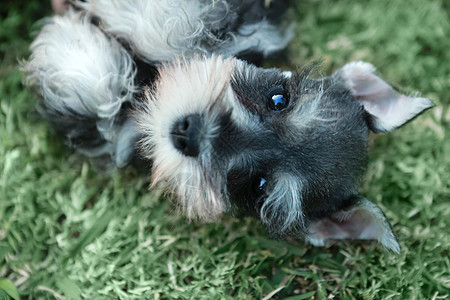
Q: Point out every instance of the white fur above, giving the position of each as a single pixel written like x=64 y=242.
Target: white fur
x=283 y=204
x=311 y=113
x=77 y=69
x=161 y=30
x=202 y=86
x=287 y=74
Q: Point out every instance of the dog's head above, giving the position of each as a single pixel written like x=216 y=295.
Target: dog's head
x=226 y=136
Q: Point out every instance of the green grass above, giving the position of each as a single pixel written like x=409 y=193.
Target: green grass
x=67 y=231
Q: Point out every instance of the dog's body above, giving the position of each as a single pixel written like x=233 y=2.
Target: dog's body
x=89 y=80
x=222 y=134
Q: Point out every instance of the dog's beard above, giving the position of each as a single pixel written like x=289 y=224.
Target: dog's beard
x=202 y=87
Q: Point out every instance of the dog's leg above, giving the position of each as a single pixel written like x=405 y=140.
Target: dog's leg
x=84 y=79
x=159 y=31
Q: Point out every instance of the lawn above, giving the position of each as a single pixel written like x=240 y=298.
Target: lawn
x=68 y=231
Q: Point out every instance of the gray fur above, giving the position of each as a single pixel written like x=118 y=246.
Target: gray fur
x=161 y=30
x=295 y=163
x=84 y=78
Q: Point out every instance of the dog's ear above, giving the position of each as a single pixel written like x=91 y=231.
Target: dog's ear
x=362 y=220
x=388 y=109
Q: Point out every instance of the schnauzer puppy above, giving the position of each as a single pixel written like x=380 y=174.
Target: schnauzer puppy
x=222 y=135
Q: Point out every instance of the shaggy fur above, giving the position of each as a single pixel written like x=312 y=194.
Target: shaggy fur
x=85 y=79
x=223 y=135
x=162 y=30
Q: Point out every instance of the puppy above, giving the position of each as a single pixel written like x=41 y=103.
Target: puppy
x=223 y=135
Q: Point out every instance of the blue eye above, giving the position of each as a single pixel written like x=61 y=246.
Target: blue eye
x=277 y=99
x=259 y=186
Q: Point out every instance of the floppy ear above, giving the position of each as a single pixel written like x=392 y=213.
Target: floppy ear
x=363 y=220
x=389 y=109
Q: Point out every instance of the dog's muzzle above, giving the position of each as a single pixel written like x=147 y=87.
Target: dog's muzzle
x=186 y=135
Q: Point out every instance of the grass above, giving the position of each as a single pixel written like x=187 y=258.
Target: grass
x=67 y=231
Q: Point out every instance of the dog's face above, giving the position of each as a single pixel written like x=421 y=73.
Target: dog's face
x=226 y=136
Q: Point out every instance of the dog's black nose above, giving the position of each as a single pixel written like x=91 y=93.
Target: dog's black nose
x=186 y=134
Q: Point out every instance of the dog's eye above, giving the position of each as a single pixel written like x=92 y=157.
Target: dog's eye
x=277 y=99
x=259 y=186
